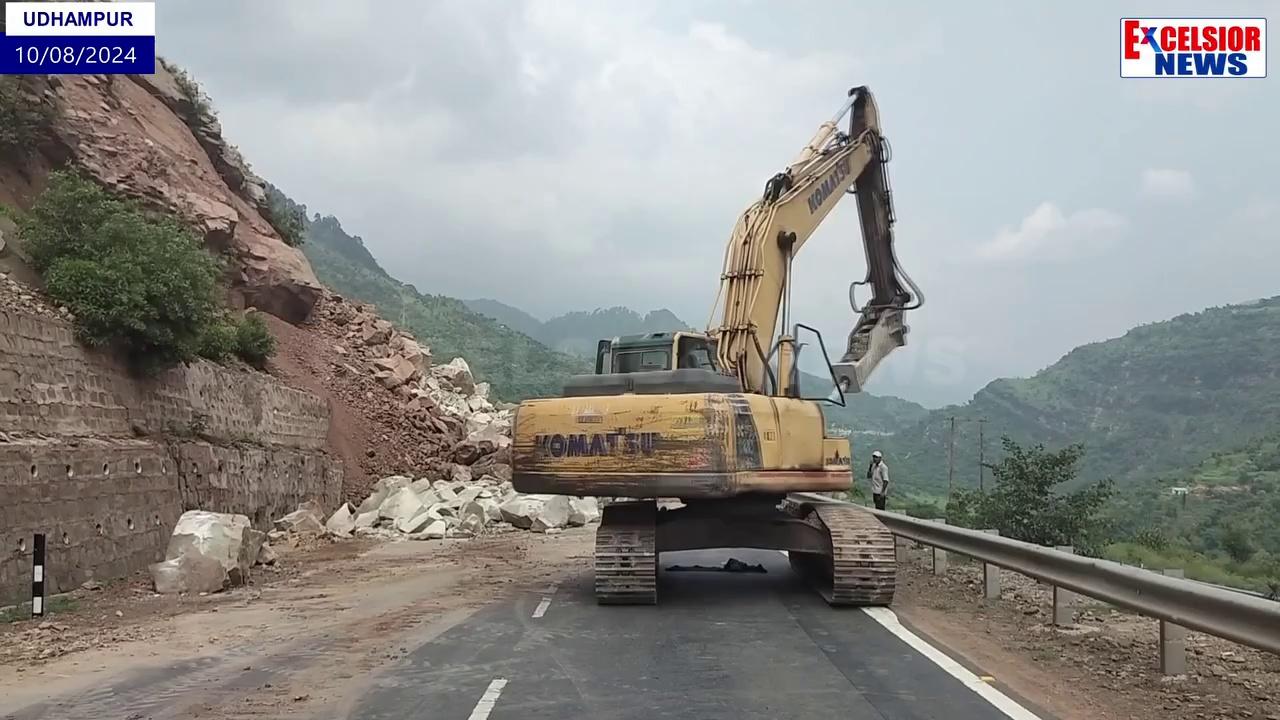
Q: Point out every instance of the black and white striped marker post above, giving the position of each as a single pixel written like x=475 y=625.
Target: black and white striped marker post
x=37 y=577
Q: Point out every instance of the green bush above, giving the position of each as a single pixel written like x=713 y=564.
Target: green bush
x=22 y=120
x=137 y=282
x=254 y=343
x=290 y=222
x=247 y=338
x=1024 y=504
x=218 y=343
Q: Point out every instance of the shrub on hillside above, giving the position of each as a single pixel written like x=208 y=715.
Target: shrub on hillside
x=137 y=282
x=189 y=88
x=290 y=222
x=247 y=338
x=254 y=343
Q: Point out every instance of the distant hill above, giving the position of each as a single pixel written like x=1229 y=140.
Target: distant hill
x=577 y=333
x=1159 y=399
x=516 y=365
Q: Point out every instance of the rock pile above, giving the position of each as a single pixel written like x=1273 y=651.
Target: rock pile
x=451 y=504
x=429 y=416
x=19 y=297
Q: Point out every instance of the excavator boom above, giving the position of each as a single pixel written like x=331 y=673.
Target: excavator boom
x=756 y=282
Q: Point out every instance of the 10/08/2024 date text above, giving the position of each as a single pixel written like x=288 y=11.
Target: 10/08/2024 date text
x=76 y=55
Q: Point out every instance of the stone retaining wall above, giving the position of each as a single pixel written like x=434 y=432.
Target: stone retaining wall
x=103 y=463
x=51 y=385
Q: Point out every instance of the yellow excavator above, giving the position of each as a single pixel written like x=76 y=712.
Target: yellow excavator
x=716 y=420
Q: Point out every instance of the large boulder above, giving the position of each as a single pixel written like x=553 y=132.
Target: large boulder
x=382 y=489
x=207 y=552
x=555 y=513
x=342 y=522
x=402 y=506
x=583 y=511
x=456 y=374
x=520 y=511
x=375 y=332
x=308 y=519
x=393 y=371
x=412 y=352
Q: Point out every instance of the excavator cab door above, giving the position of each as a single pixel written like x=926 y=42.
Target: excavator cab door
x=604 y=353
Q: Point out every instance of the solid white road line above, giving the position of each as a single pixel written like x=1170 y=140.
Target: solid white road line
x=1002 y=702
x=542 y=607
x=488 y=700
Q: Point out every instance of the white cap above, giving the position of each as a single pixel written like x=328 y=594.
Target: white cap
x=876 y=454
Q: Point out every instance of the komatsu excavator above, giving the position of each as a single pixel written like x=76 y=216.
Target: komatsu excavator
x=716 y=419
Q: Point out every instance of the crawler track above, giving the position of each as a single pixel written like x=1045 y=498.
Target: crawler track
x=627 y=554
x=862 y=567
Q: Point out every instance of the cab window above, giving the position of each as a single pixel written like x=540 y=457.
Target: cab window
x=696 y=353
x=641 y=361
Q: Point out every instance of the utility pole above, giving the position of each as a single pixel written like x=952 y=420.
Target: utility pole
x=951 y=459
x=982 y=446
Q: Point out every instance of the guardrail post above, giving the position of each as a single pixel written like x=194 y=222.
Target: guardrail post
x=1173 y=642
x=991 y=576
x=1063 y=599
x=939 y=556
x=901 y=546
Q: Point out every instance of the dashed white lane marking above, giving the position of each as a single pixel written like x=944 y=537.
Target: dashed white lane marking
x=546 y=600
x=488 y=699
x=1002 y=702
x=542 y=607
x=979 y=685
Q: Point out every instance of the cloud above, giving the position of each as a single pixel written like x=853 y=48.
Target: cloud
x=1048 y=233
x=1165 y=183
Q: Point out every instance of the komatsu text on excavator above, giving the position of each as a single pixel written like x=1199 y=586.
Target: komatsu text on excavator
x=717 y=420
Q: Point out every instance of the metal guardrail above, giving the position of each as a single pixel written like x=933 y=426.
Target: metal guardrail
x=1240 y=617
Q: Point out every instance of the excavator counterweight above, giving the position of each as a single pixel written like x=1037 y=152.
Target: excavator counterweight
x=714 y=421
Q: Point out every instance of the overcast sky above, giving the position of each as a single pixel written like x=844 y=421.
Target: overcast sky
x=567 y=154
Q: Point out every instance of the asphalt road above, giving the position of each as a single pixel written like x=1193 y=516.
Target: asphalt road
x=719 y=645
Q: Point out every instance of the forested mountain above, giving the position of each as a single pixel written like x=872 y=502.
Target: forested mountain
x=578 y=332
x=515 y=365
x=1159 y=399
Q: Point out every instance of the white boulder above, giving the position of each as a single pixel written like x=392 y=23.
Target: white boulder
x=456 y=374
x=583 y=511
x=554 y=514
x=401 y=506
x=436 y=530
x=520 y=511
x=342 y=522
x=381 y=490
x=201 y=540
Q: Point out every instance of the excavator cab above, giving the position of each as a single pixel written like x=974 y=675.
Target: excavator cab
x=655 y=352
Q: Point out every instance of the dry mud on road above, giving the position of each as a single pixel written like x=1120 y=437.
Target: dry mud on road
x=295 y=647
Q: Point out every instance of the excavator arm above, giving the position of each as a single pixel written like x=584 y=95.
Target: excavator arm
x=756 y=282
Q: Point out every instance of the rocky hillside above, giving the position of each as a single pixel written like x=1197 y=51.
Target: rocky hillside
x=515 y=365
x=1161 y=398
x=154 y=138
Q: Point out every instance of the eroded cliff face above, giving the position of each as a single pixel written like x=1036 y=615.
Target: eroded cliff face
x=144 y=138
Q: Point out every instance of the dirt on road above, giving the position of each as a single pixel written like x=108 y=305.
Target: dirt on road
x=1106 y=667
x=296 y=643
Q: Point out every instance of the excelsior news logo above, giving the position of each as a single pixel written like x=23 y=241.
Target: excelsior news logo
x=1193 y=47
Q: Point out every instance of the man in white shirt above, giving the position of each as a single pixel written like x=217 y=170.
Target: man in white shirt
x=878 y=473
